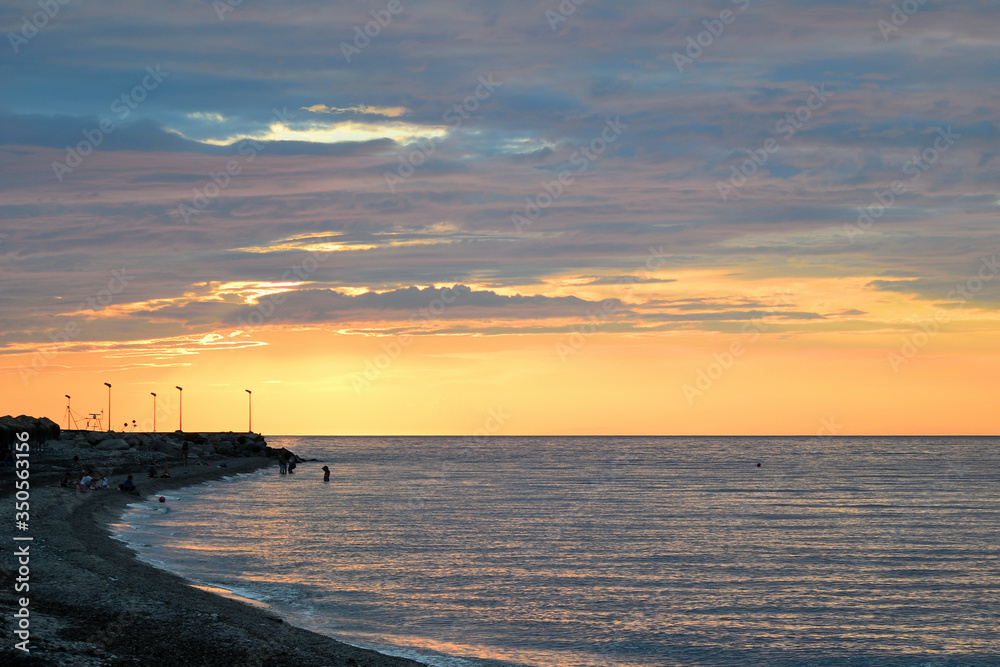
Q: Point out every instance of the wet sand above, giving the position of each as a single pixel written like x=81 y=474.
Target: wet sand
x=92 y=602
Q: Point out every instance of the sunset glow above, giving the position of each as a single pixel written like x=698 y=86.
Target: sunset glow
x=493 y=221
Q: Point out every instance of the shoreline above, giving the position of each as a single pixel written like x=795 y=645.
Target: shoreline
x=93 y=602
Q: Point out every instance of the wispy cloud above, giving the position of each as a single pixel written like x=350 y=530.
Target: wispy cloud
x=361 y=109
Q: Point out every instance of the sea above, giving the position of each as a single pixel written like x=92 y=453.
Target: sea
x=609 y=551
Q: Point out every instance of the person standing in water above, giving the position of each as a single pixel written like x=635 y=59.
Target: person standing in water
x=326 y=474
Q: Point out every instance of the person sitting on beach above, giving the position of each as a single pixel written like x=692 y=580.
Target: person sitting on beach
x=127 y=485
x=166 y=469
x=151 y=471
x=104 y=483
x=67 y=481
x=85 y=482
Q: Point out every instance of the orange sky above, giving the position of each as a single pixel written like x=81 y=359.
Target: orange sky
x=564 y=227
x=787 y=377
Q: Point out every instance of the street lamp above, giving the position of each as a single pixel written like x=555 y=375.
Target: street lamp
x=180 y=425
x=69 y=413
x=249 y=410
x=108 y=385
x=154 y=410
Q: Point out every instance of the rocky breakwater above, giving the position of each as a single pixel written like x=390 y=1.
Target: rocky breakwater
x=200 y=445
x=48 y=440
x=39 y=429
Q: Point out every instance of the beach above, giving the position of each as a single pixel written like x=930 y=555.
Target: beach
x=92 y=602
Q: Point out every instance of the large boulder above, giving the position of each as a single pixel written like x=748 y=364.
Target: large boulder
x=59 y=445
x=112 y=445
x=225 y=448
x=166 y=446
x=39 y=429
x=201 y=451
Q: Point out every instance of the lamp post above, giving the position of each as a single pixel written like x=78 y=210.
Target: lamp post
x=249 y=410
x=108 y=385
x=154 y=410
x=69 y=413
x=180 y=425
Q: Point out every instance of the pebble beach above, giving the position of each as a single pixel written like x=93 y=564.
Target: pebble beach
x=92 y=602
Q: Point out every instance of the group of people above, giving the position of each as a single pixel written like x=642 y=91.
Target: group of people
x=151 y=470
x=86 y=480
x=286 y=463
x=92 y=480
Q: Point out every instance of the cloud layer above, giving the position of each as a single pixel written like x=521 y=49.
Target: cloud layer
x=545 y=162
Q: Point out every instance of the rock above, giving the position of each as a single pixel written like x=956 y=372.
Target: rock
x=39 y=429
x=169 y=447
x=224 y=449
x=201 y=451
x=112 y=445
x=59 y=445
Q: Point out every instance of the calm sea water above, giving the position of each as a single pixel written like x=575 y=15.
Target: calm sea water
x=611 y=551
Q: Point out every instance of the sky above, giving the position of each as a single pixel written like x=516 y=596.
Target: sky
x=502 y=218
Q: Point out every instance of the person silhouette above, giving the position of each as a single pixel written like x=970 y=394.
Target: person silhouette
x=326 y=474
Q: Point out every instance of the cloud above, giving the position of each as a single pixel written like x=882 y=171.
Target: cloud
x=628 y=280
x=329 y=306
x=318 y=187
x=363 y=109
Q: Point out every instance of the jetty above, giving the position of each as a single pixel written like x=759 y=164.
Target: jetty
x=49 y=440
